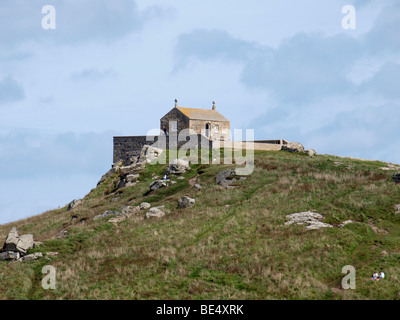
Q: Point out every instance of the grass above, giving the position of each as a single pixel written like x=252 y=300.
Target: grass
x=232 y=245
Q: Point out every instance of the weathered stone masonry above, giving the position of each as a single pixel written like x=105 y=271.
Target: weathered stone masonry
x=174 y=115
x=127 y=147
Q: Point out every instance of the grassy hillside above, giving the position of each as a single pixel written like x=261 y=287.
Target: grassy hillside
x=232 y=244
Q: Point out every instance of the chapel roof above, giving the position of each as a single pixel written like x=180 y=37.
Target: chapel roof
x=202 y=114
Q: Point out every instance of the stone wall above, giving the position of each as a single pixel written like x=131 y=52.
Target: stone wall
x=264 y=145
x=127 y=147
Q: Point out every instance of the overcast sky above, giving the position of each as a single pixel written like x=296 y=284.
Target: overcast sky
x=285 y=68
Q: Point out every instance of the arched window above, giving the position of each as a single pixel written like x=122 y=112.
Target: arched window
x=208 y=127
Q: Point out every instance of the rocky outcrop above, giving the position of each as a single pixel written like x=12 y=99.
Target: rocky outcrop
x=74 y=203
x=186 y=202
x=390 y=167
x=11 y=241
x=106 y=213
x=18 y=243
x=110 y=172
x=9 y=255
x=130 y=184
x=133 y=168
x=130 y=174
x=149 y=154
x=25 y=243
x=296 y=147
x=310 y=152
x=154 y=213
x=197 y=186
x=178 y=166
x=126 y=212
x=129 y=210
x=52 y=254
x=132 y=177
x=313 y=220
x=16 y=246
x=158 y=184
x=293 y=147
x=145 y=206
x=31 y=257
x=344 y=223
x=224 y=178
x=227 y=177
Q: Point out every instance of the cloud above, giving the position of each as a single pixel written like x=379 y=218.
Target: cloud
x=76 y=22
x=211 y=44
x=386 y=82
x=31 y=154
x=304 y=68
x=21 y=198
x=93 y=74
x=47 y=100
x=41 y=171
x=384 y=39
x=368 y=132
x=10 y=90
x=14 y=56
x=362 y=3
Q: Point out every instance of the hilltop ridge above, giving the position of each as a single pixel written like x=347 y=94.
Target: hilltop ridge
x=233 y=242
